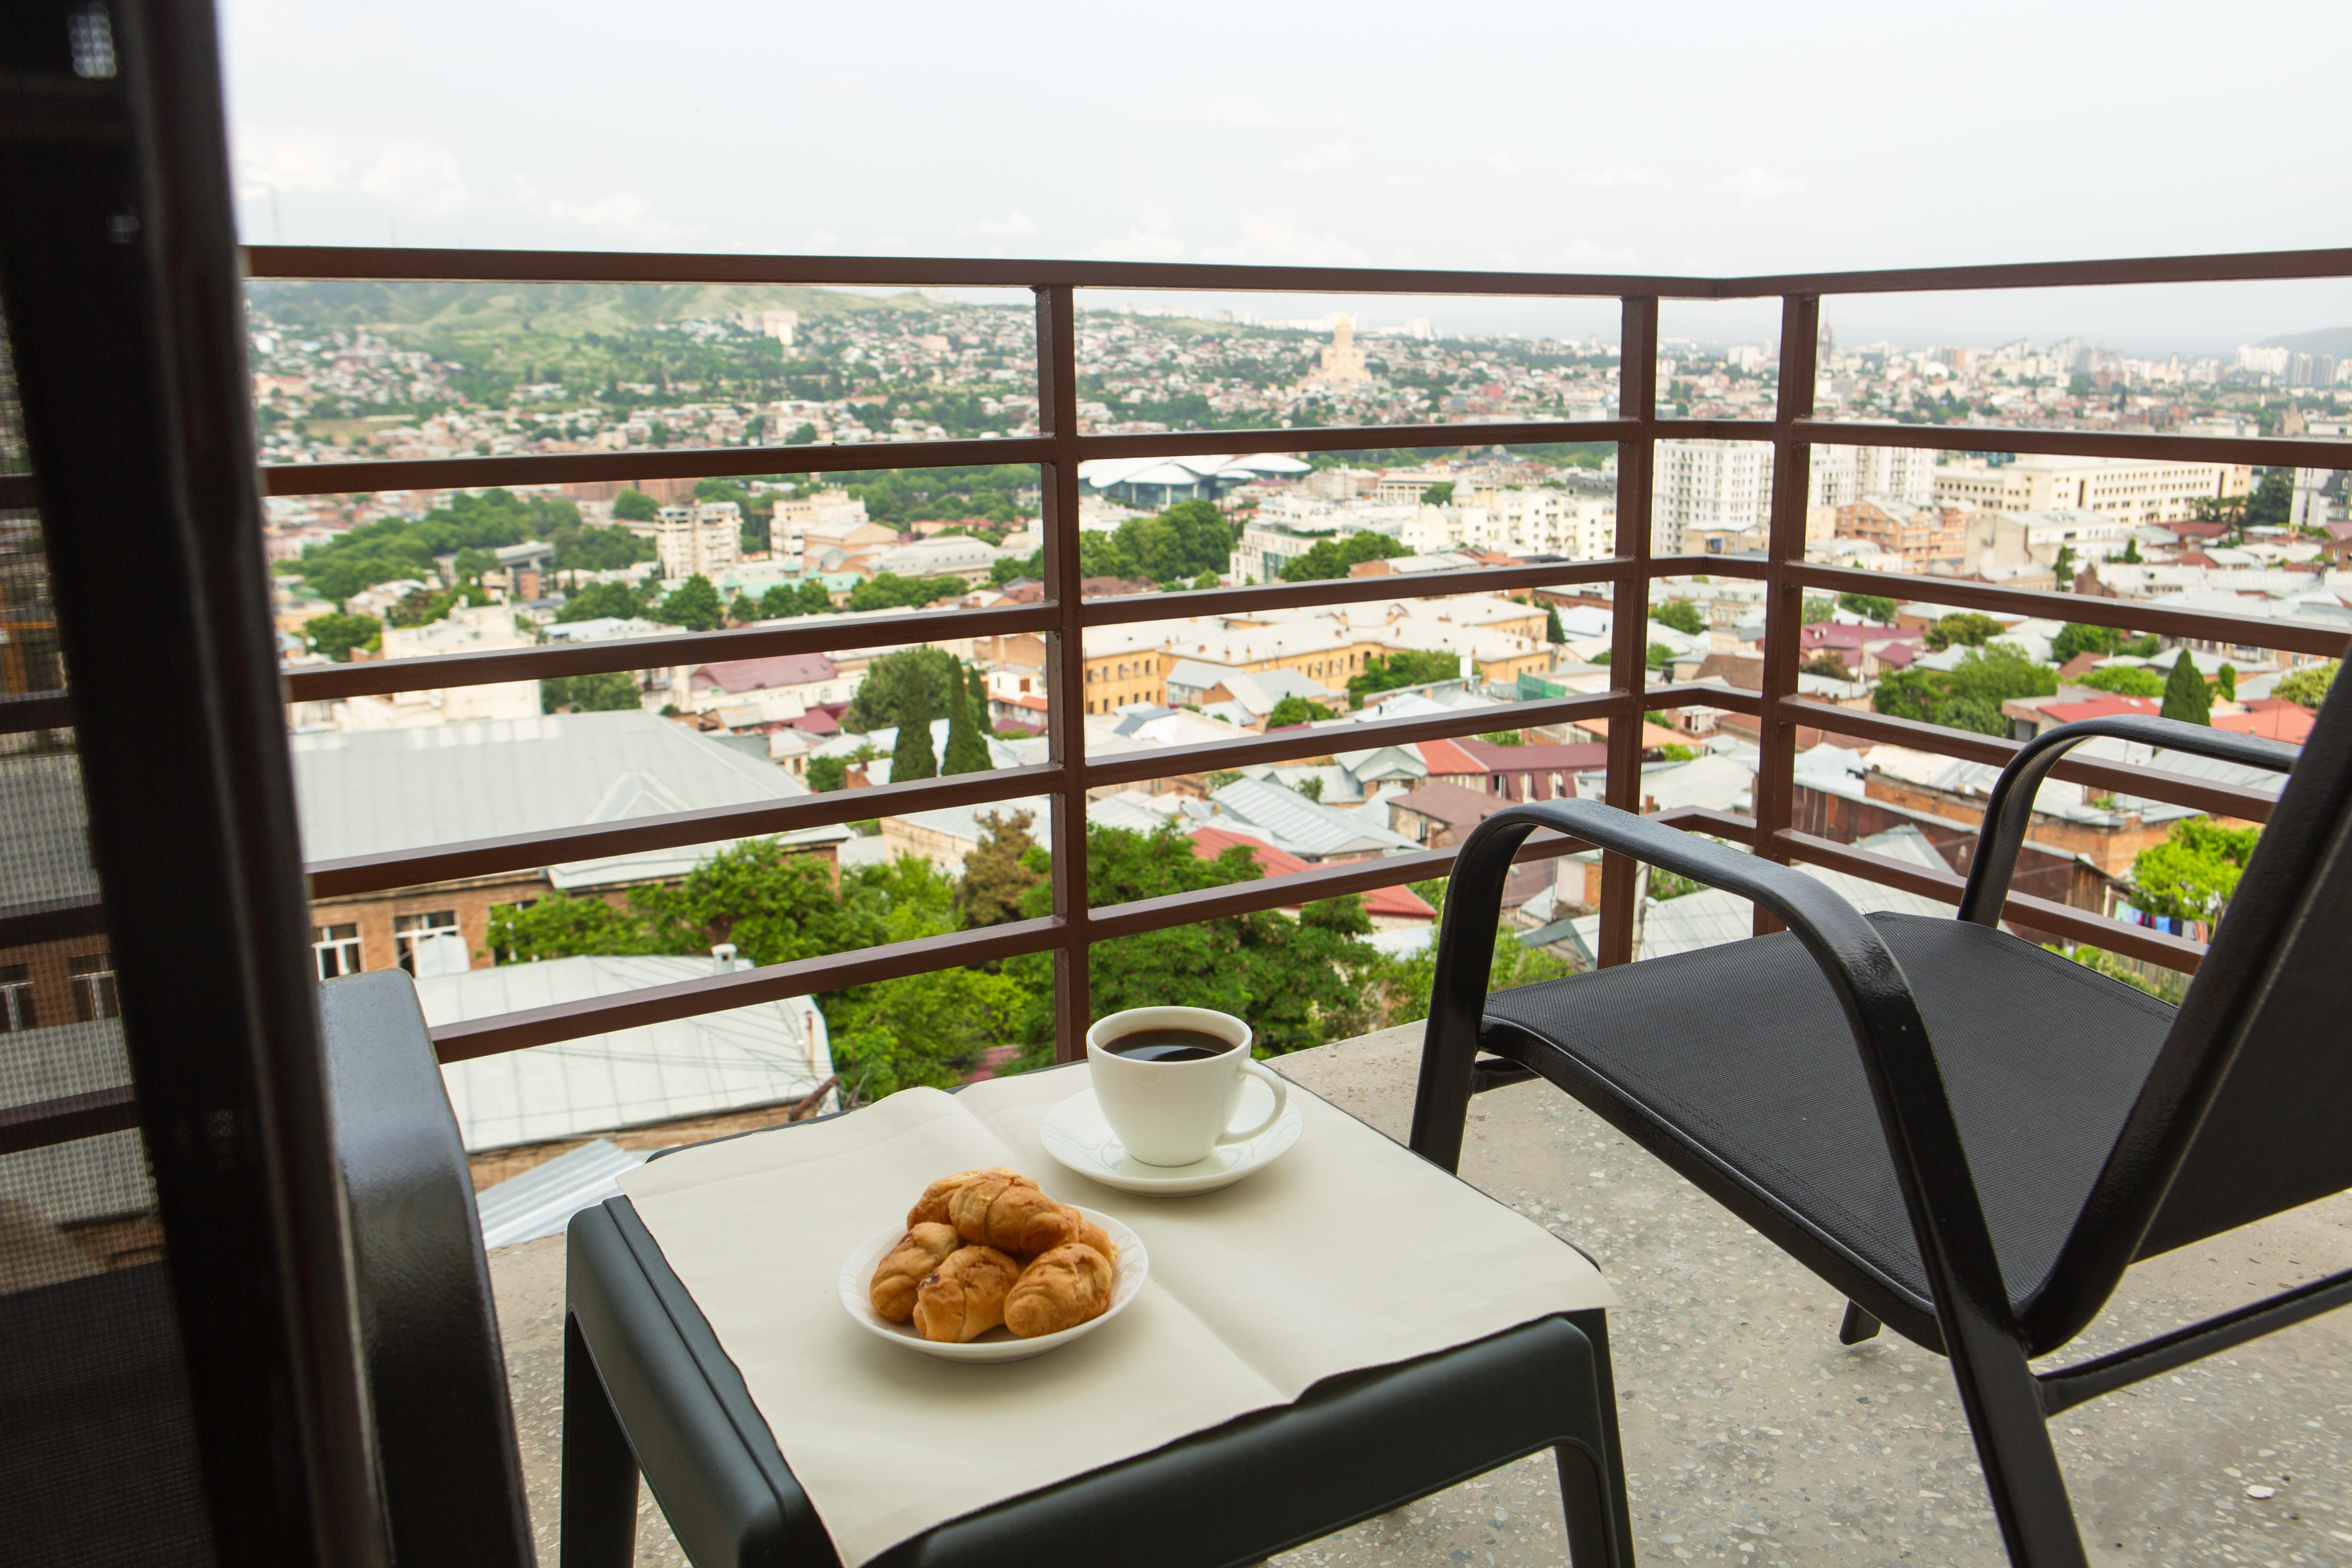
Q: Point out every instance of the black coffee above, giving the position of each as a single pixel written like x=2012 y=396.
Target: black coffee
x=1169 y=1046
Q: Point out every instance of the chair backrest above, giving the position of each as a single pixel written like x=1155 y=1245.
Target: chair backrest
x=452 y=1474
x=2249 y=1108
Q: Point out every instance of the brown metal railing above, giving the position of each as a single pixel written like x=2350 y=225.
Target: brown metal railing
x=1064 y=616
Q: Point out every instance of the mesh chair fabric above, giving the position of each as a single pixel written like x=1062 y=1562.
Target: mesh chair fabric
x=1742 y=1051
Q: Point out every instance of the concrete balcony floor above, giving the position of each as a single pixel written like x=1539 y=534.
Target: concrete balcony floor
x=1751 y=1434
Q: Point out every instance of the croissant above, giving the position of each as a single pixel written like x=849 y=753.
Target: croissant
x=963 y=1298
x=1060 y=1289
x=1087 y=1233
x=1003 y=1210
x=923 y=1248
x=932 y=1207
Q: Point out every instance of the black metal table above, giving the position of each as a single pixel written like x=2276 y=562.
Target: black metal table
x=648 y=1388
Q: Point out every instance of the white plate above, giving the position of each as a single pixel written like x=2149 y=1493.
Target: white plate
x=1077 y=1135
x=1127 y=1274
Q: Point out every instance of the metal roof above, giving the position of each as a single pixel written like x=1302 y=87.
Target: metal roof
x=373 y=791
x=761 y=1054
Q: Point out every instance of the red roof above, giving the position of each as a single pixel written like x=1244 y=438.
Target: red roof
x=1208 y=843
x=765 y=674
x=2106 y=705
x=1445 y=757
x=1846 y=634
x=2272 y=720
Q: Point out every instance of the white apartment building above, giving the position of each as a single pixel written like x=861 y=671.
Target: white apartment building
x=2127 y=488
x=705 y=538
x=1287 y=527
x=1708 y=486
x=1844 y=475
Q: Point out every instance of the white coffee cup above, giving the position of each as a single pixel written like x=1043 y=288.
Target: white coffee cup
x=1176 y=1113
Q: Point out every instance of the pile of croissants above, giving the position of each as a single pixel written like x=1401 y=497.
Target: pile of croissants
x=988 y=1248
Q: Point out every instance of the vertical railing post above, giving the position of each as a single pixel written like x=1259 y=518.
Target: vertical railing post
x=1784 y=598
x=1629 y=611
x=1065 y=660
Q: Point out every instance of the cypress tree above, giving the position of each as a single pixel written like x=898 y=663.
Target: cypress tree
x=1554 y=632
x=2185 y=696
x=966 y=752
x=913 y=758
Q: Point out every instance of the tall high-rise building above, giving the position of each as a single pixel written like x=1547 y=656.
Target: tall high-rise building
x=1844 y=475
x=1709 y=486
x=701 y=539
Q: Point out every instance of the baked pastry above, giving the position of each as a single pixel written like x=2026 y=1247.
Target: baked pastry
x=999 y=1209
x=931 y=1208
x=963 y=1298
x=923 y=1248
x=1088 y=1233
x=1059 y=1289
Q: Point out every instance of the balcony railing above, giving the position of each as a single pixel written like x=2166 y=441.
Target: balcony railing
x=1064 y=616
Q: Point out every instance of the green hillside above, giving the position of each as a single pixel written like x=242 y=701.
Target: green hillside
x=2337 y=340
x=411 y=311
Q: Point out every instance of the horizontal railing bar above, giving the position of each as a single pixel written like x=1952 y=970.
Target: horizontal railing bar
x=323 y=261
x=68 y=1118
x=1356 y=437
x=1692 y=694
x=718 y=992
x=2245 y=267
x=2022 y=908
x=285 y=262
x=1126 y=609
x=37 y=711
x=2091 y=609
x=813 y=634
x=1714 y=430
x=1753 y=567
x=1287 y=744
x=378 y=474
x=1995 y=751
x=2269 y=451
x=1714 y=823
x=357 y=874
x=51 y=920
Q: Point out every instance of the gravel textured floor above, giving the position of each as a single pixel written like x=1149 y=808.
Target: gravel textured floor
x=1751 y=1434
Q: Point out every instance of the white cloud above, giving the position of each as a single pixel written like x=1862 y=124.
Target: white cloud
x=823 y=239
x=1138 y=244
x=1012 y=226
x=1279 y=239
x=1321 y=156
x=1583 y=256
x=1617 y=176
x=292 y=158
x=1503 y=161
x=1754 y=187
x=1230 y=109
x=421 y=176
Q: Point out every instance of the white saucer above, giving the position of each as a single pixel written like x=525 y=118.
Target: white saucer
x=1127 y=1274
x=1077 y=1135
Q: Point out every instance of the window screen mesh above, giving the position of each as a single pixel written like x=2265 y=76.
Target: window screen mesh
x=98 y=1458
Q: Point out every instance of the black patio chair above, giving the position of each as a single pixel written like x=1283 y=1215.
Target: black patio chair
x=1970 y=1136
x=447 y=1459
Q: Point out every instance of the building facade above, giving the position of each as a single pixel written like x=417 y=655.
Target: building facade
x=701 y=539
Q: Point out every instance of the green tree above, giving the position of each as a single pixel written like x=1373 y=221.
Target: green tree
x=1406 y=667
x=876 y=703
x=2186 y=696
x=826 y=774
x=1826 y=664
x=1333 y=557
x=2074 y=637
x=613 y=692
x=636 y=506
x=1404 y=984
x=1554 y=632
x=1965 y=626
x=2063 y=569
x=966 y=753
x=1658 y=655
x=2131 y=556
x=1682 y=616
x=1870 y=606
x=1818 y=610
x=888 y=591
x=912 y=757
x=1295 y=711
x=336 y=634
x=579 y=549
x=2273 y=501
x=2306 y=684
x=1983 y=679
x=997 y=874
x=807 y=598
x=471 y=564
x=2193 y=874
x=2123 y=679
x=1438 y=494
x=693 y=605
x=2225 y=684
x=620 y=600
x=1179 y=544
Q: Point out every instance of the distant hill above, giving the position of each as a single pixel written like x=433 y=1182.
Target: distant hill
x=2337 y=340
x=546 y=310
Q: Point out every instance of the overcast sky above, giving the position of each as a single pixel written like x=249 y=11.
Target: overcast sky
x=1705 y=138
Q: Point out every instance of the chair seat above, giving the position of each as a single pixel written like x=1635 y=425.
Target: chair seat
x=1735 y=1066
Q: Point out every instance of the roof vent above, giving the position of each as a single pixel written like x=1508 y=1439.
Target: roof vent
x=722 y=959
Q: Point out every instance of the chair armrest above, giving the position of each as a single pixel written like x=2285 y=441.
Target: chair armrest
x=2011 y=809
x=1914 y=1111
